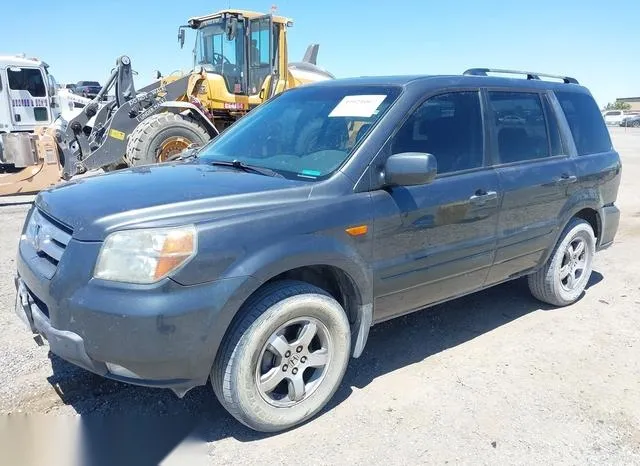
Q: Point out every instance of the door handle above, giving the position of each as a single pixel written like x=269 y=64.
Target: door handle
x=481 y=197
x=566 y=179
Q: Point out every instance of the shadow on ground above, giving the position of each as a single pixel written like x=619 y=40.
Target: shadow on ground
x=392 y=345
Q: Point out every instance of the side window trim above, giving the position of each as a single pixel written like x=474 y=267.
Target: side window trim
x=490 y=118
x=566 y=137
x=547 y=121
x=485 y=165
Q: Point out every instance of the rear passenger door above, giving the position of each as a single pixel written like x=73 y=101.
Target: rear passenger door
x=536 y=175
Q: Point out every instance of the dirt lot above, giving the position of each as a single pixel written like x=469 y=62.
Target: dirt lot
x=493 y=378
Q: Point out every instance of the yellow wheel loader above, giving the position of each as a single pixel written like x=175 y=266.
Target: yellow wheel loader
x=240 y=61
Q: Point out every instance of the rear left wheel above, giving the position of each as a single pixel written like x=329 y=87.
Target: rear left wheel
x=283 y=360
x=564 y=277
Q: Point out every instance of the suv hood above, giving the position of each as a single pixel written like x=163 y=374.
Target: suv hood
x=162 y=195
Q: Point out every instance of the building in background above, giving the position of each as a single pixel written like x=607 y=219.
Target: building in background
x=633 y=101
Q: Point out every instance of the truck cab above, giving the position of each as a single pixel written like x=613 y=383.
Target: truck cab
x=26 y=89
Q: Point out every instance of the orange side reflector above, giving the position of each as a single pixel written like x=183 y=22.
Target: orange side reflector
x=358 y=231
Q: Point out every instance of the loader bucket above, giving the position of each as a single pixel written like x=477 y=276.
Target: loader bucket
x=44 y=174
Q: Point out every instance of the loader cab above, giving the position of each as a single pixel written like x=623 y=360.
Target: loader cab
x=244 y=49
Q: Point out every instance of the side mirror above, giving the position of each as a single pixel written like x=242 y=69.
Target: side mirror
x=410 y=169
x=181 y=37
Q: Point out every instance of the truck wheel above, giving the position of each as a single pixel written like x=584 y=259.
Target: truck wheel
x=161 y=136
x=566 y=273
x=284 y=358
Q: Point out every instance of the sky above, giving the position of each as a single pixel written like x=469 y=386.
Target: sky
x=595 y=41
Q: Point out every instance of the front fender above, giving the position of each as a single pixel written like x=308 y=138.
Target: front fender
x=307 y=250
x=197 y=114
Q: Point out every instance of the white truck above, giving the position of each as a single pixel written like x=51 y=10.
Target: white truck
x=30 y=102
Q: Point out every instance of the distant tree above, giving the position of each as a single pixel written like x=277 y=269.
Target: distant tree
x=618 y=105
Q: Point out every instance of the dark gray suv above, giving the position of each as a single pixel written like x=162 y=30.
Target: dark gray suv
x=261 y=260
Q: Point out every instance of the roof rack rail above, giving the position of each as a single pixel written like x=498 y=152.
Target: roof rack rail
x=529 y=74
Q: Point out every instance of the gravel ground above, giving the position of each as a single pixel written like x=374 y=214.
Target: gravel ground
x=493 y=378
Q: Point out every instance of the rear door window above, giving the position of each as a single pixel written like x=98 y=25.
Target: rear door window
x=585 y=120
x=520 y=126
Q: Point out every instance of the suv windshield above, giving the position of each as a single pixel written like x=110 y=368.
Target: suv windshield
x=303 y=133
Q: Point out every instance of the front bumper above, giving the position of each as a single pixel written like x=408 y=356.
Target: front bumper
x=164 y=335
x=65 y=344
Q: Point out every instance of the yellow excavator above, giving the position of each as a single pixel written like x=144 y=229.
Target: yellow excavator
x=240 y=61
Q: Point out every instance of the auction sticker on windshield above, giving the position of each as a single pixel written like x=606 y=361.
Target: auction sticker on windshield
x=363 y=106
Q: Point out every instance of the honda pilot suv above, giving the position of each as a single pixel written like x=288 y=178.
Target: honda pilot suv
x=261 y=260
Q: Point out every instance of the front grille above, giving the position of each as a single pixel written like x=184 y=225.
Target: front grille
x=48 y=237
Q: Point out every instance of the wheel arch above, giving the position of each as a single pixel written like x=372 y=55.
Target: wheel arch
x=192 y=111
x=587 y=211
x=337 y=270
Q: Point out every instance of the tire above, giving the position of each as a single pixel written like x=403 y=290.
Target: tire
x=119 y=165
x=636 y=124
x=550 y=284
x=149 y=136
x=243 y=357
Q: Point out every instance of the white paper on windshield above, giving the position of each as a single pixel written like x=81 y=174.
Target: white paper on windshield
x=357 y=106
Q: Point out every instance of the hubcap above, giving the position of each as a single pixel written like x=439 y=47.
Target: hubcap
x=172 y=146
x=293 y=362
x=574 y=263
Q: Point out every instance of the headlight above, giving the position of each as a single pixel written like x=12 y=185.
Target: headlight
x=145 y=256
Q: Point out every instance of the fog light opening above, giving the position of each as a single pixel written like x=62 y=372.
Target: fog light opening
x=121 y=371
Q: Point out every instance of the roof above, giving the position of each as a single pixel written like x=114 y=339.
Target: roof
x=246 y=13
x=448 y=80
x=16 y=60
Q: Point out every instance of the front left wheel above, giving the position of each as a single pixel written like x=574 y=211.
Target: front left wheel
x=284 y=358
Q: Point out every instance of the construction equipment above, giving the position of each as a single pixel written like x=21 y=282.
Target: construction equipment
x=30 y=102
x=240 y=61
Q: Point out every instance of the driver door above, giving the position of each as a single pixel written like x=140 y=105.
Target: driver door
x=260 y=53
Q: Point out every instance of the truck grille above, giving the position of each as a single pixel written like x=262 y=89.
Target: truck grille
x=48 y=238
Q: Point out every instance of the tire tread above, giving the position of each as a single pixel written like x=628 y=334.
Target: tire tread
x=541 y=282
x=142 y=135
x=255 y=306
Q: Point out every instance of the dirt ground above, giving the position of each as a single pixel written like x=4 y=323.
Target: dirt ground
x=493 y=378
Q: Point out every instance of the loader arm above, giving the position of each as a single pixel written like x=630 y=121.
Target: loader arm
x=86 y=146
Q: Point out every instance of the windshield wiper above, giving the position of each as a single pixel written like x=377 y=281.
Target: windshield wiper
x=189 y=153
x=237 y=164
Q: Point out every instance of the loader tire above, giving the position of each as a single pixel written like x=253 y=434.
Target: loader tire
x=162 y=135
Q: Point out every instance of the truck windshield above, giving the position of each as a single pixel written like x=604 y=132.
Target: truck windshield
x=305 y=133
x=217 y=54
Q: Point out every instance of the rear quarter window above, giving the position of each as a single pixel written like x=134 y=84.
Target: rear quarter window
x=587 y=126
